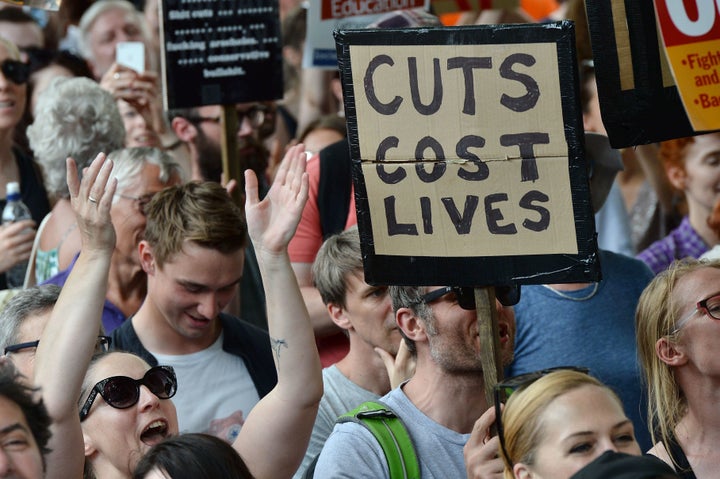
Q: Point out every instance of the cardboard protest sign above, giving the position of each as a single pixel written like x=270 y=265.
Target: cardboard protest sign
x=467 y=155
x=324 y=16
x=639 y=99
x=693 y=49
x=215 y=53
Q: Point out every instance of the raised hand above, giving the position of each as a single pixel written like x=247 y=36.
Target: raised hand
x=91 y=199
x=272 y=221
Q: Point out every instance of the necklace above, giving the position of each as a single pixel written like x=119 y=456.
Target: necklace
x=573 y=298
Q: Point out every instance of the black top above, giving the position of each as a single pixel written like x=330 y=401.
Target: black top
x=683 y=469
x=334 y=187
x=32 y=192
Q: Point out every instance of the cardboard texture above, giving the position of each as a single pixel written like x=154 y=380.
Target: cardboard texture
x=441 y=7
x=215 y=54
x=639 y=99
x=467 y=164
x=693 y=49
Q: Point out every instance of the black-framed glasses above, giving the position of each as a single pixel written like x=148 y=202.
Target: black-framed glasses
x=140 y=201
x=255 y=115
x=122 y=392
x=506 y=388
x=709 y=306
x=103 y=344
x=465 y=296
x=15 y=71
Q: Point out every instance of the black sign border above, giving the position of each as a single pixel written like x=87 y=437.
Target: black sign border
x=480 y=271
x=650 y=112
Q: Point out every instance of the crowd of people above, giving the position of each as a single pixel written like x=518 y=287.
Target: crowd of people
x=164 y=331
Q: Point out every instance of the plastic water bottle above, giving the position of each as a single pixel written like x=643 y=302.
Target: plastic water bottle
x=15 y=210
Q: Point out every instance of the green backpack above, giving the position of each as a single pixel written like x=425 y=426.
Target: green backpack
x=392 y=435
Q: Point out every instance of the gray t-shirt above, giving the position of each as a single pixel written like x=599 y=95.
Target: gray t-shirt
x=352 y=452
x=341 y=395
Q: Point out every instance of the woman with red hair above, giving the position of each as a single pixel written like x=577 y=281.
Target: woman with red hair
x=693 y=167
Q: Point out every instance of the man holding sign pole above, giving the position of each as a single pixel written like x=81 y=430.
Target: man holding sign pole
x=442 y=401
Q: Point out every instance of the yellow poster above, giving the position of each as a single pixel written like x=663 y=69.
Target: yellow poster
x=692 y=43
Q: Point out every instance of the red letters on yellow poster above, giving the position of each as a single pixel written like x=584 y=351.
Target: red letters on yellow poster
x=691 y=33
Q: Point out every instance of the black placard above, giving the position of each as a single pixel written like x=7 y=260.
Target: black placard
x=639 y=101
x=220 y=52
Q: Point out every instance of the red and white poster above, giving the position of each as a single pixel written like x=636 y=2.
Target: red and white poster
x=691 y=33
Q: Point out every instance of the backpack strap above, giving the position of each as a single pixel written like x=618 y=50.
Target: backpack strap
x=392 y=436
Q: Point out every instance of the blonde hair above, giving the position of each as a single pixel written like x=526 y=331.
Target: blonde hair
x=11 y=48
x=522 y=416
x=656 y=317
x=199 y=212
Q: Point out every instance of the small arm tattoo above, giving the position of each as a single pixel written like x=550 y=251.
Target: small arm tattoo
x=276 y=345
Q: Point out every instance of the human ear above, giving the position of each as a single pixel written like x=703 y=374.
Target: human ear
x=147 y=259
x=522 y=471
x=339 y=316
x=676 y=175
x=184 y=130
x=410 y=325
x=669 y=352
x=89 y=445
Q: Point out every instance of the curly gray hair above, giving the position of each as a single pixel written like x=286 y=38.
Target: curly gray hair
x=74 y=117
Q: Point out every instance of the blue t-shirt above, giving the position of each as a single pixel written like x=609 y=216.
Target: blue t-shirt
x=352 y=452
x=592 y=327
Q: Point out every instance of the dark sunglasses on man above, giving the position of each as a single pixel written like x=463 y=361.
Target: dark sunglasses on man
x=465 y=296
x=506 y=388
x=122 y=392
x=15 y=71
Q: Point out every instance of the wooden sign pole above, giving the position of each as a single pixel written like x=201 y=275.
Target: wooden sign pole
x=489 y=340
x=232 y=169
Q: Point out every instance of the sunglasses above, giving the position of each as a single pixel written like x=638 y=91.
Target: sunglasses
x=505 y=389
x=465 y=296
x=15 y=71
x=103 y=344
x=122 y=392
x=709 y=306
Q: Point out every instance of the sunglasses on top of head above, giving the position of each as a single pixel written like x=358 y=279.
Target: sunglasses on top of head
x=122 y=392
x=503 y=390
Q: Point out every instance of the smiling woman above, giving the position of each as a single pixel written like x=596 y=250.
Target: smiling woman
x=16 y=239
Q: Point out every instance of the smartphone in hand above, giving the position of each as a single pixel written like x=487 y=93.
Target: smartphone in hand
x=131 y=55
